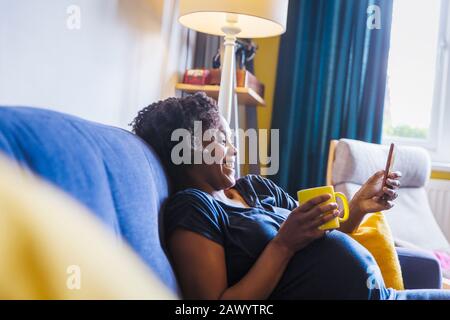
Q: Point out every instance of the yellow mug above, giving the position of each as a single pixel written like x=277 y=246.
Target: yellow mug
x=307 y=194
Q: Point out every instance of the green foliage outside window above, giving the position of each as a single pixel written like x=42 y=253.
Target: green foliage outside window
x=405 y=131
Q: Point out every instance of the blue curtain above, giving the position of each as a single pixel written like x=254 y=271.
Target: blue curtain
x=330 y=83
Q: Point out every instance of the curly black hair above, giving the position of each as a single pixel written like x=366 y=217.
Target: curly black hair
x=155 y=124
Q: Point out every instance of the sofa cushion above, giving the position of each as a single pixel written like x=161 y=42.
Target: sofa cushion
x=109 y=170
x=375 y=235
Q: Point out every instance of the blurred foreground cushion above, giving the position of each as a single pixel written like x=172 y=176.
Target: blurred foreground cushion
x=51 y=247
x=375 y=235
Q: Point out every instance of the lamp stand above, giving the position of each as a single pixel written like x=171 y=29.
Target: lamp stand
x=227 y=84
x=235 y=124
x=227 y=94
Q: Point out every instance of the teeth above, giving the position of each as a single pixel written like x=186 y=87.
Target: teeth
x=229 y=165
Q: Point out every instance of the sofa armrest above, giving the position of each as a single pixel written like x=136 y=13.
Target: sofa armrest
x=420 y=269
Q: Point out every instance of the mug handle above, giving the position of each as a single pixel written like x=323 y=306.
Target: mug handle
x=345 y=203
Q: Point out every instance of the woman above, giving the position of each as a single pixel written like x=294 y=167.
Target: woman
x=248 y=239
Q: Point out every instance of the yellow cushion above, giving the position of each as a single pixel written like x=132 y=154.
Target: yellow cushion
x=53 y=248
x=376 y=236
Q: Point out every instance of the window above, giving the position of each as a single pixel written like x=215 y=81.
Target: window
x=417 y=104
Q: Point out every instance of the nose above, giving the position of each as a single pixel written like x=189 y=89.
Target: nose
x=232 y=150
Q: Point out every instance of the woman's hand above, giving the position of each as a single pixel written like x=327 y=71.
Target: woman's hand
x=373 y=196
x=302 y=225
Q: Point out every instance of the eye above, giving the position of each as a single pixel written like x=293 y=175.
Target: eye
x=224 y=142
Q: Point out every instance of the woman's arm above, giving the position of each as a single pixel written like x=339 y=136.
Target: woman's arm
x=201 y=268
x=354 y=220
x=369 y=199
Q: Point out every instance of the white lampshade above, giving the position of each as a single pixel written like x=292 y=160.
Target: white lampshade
x=255 y=18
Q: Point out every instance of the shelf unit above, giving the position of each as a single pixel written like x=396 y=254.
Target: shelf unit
x=246 y=96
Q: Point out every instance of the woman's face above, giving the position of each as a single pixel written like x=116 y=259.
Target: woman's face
x=219 y=157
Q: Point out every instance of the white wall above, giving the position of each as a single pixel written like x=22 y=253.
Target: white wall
x=126 y=54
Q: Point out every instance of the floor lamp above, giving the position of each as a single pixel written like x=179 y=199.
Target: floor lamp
x=232 y=19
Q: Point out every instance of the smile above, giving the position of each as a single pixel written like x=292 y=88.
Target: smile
x=229 y=165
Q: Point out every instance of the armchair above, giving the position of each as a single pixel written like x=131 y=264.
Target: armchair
x=352 y=162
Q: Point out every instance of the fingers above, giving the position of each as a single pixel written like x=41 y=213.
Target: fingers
x=389 y=192
x=393 y=179
x=384 y=203
x=392 y=176
x=317 y=233
x=319 y=211
x=324 y=219
x=393 y=183
x=388 y=204
x=395 y=175
x=314 y=202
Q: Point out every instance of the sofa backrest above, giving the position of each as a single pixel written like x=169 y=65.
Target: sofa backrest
x=411 y=218
x=110 y=170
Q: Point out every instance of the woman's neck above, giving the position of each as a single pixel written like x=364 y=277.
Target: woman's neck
x=230 y=196
x=191 y=181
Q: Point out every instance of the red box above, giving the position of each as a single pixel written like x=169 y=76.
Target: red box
x=197 y=76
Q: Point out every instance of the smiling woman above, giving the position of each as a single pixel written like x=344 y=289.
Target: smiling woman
x=161 y=124
x=247 y=238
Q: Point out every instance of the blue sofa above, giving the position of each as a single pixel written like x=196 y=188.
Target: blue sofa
x=120 y=179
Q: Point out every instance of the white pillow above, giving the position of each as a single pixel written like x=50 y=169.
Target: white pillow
x=355 y=161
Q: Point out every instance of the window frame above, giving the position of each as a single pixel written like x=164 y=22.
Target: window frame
x=440 y=110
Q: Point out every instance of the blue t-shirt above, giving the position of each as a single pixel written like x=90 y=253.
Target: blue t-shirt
x=333 y=267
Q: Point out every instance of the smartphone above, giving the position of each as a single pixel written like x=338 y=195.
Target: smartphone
x=389 y=164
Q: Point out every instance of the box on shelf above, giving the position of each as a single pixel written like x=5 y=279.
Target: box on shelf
x=197 y=76
x=244 y=79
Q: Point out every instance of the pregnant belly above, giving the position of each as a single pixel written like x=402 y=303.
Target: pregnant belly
x=333 y=267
